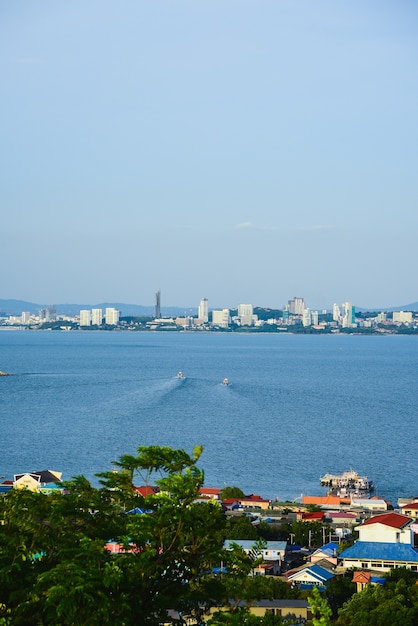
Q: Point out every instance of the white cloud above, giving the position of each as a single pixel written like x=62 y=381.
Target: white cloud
x=245 y=225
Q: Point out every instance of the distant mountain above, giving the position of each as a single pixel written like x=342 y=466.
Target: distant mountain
x=16 y=307
x=404 y=307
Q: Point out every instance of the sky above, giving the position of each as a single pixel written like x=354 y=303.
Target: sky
x=239 y=150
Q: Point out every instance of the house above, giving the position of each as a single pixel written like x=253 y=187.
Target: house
x=362 y=579
x=209 y=493
x=411 y=510
x=146 y=490
x=311 y=576
x=385 y=541
x=329 y=501
x=342 y=518
x=272 y=551
x=328 y=552
x=293 y=611
x=254 y=502
x=372 y=505
x=316 y=516
x=45 y=480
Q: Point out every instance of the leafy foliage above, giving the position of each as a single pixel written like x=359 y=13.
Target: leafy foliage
x=55 y=568
x=394 y=604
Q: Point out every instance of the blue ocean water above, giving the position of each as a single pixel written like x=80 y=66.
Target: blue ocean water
x=296 y=407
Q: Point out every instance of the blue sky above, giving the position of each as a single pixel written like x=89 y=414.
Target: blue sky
x=236 y=150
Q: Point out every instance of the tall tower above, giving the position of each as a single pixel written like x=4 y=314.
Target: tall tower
x=157 y=309
x=204 y=310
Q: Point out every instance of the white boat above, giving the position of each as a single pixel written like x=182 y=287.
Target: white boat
x=180 y=375
x=225 y=381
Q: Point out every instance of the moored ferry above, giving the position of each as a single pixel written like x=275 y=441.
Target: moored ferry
x=347 y=481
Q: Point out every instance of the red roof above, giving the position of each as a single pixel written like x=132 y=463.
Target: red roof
x=252 y=498
x=411 y=507
x=210 y=490
x=342 y=515
x=311 y=517
x=146 y=490
x=395 y=520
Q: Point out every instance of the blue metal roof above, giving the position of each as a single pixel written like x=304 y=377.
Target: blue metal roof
x=381 y=551
x=330 y=549
x=320 y=572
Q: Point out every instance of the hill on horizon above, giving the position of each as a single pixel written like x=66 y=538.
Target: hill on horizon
x=16 y=307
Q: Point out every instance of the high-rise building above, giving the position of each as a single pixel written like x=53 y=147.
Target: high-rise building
x=349 y=315
x=296 y=306
x=85 y=317
x=157 y=308
x=112 y=316
x=306 y=317
x=221 y=318
x=336 y=313
x=404 y=317
x=97 y=317
x=203 y=313
x=245 y=314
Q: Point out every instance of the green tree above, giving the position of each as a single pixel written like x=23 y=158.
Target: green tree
x=321 y=611
x=231 y=492
x=55 y=568
x=394 y=604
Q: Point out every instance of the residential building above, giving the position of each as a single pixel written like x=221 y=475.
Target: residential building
x=385 y=541
x=311 y=576
x=85 y=317
x=271 y=551
x=203 y=311
x=296 y=306
x=112 y=316
x=221 y=318
x=328 y=552
x=349 y=315
x=402 y=317
x=336 y=313
x=97 y=317
x=245 y=314
x=306 y=317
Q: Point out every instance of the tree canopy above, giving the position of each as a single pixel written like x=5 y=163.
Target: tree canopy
x=108 y=555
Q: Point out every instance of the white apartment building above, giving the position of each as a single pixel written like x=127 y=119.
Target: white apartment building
x=349 y=319
x=245 y=314
x=306 y=317
x=296 y=306
x=314 y=318
x=85 y=317
x=203 y=313
x=97 y=317
x=112 y=316
x=221 y=318
x=404 y=317
x=336 y=313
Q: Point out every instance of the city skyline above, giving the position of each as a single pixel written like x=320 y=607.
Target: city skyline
x=240 y=151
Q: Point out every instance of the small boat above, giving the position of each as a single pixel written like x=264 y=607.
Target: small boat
x=180 y=375
x=225 y=381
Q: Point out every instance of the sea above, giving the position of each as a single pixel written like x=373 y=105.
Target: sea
x=297 y=406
